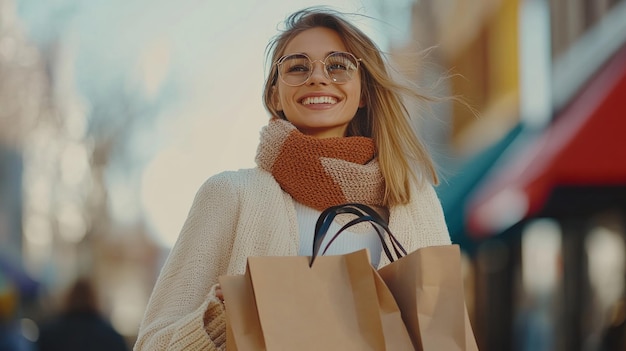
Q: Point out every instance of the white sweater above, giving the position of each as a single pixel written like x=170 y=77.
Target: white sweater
x=236 y=215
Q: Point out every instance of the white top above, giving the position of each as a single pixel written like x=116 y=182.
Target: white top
x=348 y=241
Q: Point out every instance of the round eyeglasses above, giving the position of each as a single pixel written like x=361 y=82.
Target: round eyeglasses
x=296 y=69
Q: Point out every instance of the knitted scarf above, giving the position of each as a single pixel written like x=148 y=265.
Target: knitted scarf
x=320 y=173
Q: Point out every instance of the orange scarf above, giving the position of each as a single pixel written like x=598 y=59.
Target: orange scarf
x=320 y=173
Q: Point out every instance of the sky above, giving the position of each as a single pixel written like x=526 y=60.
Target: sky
x=190 y=72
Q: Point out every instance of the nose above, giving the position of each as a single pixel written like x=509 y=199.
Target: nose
x=318 y=73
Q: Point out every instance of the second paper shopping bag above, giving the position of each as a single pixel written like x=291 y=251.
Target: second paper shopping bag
x=428 y=286
x=427 y=283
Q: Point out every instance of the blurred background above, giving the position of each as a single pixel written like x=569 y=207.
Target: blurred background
x=112 y=113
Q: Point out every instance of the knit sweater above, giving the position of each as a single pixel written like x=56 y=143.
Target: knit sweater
x=236 y=215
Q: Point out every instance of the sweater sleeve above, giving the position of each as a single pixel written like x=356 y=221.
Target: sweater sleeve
x=183 y=312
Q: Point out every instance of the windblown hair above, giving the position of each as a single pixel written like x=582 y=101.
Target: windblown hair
x=385 y=118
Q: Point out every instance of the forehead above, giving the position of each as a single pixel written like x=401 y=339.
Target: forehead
x=315 y=42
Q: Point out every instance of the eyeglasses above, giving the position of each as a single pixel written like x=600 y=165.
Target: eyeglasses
x=296 y=69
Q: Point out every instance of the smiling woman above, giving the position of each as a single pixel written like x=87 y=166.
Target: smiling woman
x=338 y=132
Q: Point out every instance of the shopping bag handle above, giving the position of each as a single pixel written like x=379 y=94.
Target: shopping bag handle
x=364 y=213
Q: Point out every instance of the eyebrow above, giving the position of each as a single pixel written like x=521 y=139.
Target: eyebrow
x=304 y=53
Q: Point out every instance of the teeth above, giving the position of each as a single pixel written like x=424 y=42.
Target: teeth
x=319 y=100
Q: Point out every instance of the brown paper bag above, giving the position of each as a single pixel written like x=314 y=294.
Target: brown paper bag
x=339 y=303
x=428 y=286
x=241 y=312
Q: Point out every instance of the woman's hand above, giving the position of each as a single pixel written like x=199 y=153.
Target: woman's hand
x=218 y=293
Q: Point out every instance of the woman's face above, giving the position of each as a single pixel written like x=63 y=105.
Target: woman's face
x=319 y=107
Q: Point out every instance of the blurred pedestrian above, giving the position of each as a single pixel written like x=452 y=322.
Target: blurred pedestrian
x=80 y=326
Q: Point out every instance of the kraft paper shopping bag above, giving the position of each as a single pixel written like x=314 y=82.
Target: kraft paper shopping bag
x=338 y=303
x=241 y=313
x=428 y=286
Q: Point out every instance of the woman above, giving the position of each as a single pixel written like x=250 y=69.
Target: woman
x=338 y=133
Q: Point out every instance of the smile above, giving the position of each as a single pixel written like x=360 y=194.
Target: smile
x=319 y=100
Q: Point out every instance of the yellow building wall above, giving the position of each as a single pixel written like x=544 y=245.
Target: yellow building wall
x=487 y=68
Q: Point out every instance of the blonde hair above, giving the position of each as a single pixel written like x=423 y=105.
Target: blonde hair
x=384 y=118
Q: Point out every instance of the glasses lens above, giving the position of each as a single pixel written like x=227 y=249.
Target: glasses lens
x=341 y=66
x=294 y=69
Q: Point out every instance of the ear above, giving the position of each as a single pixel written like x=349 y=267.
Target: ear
x=275 y=99
x=362 y=102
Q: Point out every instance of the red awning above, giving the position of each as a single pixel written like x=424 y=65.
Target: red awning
x=584 y=146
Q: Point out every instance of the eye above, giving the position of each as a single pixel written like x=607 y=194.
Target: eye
x=296 y=68
x=337 y=67
x=340 y=62
x=295 y=64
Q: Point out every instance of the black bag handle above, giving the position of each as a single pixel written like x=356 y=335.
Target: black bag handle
x=371 y=216
x=364 y=213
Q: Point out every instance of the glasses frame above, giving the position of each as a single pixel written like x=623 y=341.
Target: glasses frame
x=312 y=62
